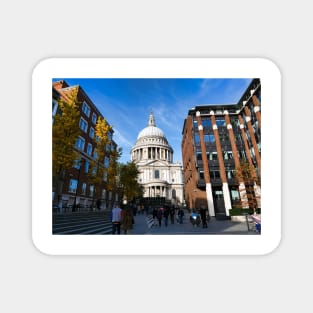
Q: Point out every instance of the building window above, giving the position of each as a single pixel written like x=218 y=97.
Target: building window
x=83 y=125
x=106 y=162
x=86 y=166
x=94 y=118
x=206 y=123
x=213 y=156
x=110 y=136
x=242 y=155
x=89 y=149
x=103 y=194
x=209 y=138
x=84 y=186
x=77 y=164
x=73 y=185
x=220 y=122
x=157 y=174
x=91 y=190
x=105 y=176
x=218 y=194
x=230 y=174
x=215 y=174
x=228 y=155
x=86 y=109
x=54 y=107
x=235 y=195
x=80 y=143
x=201 y=174
x=91 y=132
x=174 y=194
x=197 y=139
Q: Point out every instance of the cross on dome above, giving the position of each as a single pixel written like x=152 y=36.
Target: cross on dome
x=151 y=120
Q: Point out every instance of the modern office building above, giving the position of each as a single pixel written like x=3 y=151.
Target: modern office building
x=153 y=155
x=217 y=141
x=76 y=189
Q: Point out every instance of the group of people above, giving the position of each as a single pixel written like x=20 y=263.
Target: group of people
x=167 y=213
x=121 y=219
x=124 y=219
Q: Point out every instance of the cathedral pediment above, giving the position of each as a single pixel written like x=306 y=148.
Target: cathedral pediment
x=156 y=163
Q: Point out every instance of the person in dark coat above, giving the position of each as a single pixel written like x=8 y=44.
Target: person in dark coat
x=154 y=213
x=166 y=214
x=203 y=217
x=127 y=221
x=180 y=215
x=172 y=214
x=159 y=216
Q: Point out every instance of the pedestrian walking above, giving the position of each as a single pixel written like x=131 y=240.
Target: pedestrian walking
x=116 y=217
x=127 y=221
x=203 y=217
x=172 y=214
x=159 y=216
x=180 y=215
x=166 y=214
x=154 y=213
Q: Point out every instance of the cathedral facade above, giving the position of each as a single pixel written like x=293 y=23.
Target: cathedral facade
x=153 y=155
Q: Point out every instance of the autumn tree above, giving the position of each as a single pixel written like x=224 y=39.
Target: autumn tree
x=103 y=166
x=65 y=131
x=246 y=173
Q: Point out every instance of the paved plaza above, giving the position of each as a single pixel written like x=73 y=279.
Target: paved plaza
x=98 y=223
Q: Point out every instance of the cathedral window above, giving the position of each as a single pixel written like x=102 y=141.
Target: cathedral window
x=157 y=174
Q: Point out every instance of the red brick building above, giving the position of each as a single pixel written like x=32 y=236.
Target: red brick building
x=76 y=190
x=216 y=140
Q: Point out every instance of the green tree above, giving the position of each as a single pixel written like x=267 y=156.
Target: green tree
x=128 y=174
x=65 y=131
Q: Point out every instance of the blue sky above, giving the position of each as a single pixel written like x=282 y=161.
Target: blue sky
x=126 y=104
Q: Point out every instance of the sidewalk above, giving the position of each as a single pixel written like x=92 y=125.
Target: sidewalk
x=215 y=227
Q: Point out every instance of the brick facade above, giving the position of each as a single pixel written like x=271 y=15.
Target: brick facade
x=216 y=138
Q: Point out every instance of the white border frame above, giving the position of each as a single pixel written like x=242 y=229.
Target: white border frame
x=262 y=244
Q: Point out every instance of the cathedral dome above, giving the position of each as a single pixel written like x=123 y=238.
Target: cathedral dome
x=151 y=130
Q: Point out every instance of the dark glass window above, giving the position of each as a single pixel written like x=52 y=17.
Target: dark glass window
x=197 y=139
x=220 y=121
x=209 y=138
x=206 y=123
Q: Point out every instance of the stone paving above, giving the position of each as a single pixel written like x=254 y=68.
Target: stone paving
x=215 y=227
